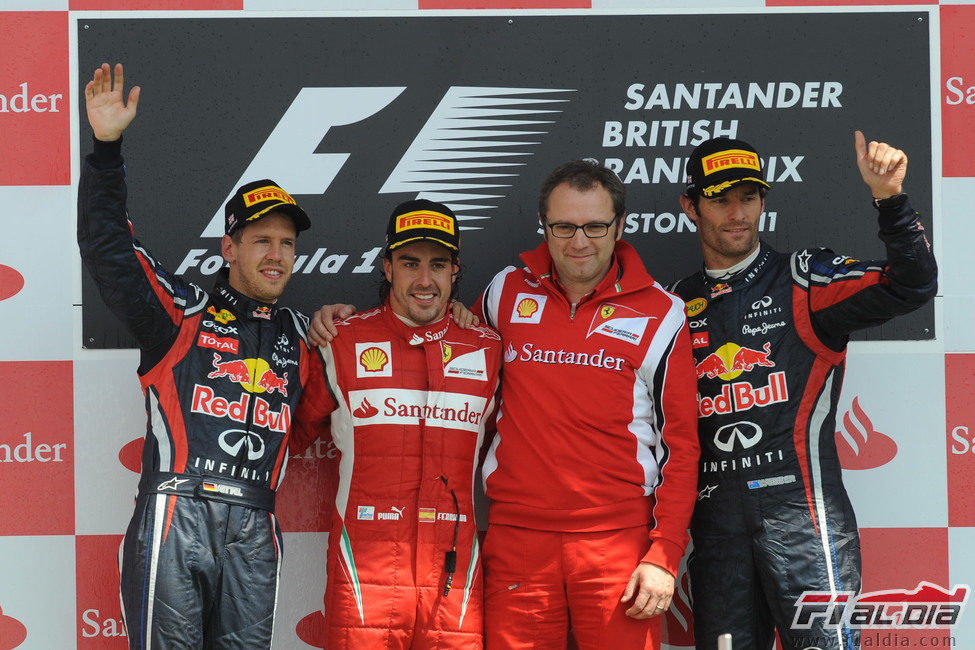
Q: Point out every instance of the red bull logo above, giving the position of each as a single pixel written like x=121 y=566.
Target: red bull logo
x=254 y=375
x=742 y=395
x=730 y=360
x=207 y=403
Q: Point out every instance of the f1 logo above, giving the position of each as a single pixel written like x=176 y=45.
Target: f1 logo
x=288 y=156
x=454 y=132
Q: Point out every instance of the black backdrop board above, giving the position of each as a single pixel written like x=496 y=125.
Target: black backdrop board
x=354 y=115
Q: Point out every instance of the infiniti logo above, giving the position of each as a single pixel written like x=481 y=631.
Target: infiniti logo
x=764 y=302
x=748 y=433
x=255 y=445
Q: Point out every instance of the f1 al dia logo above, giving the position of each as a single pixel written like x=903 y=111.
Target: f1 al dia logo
x=448 y=161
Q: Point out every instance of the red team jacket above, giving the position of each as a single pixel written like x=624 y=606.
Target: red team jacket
x=597 y=427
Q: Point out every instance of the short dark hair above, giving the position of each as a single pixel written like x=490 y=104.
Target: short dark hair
x=385 y=285
x=583 y=175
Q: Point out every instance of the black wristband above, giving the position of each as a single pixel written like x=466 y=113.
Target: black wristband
x=890 y=202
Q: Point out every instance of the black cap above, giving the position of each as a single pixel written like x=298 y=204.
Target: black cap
x=719 y=164
x=422 y=219
x=256 y=199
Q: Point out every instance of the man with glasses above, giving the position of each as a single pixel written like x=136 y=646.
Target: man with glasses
x=593 y=473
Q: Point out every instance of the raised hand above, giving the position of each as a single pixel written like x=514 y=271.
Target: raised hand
x=107 y=112
x=882 y=166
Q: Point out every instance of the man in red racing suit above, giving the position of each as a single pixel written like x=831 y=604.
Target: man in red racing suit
x=222 y=372
x=408 y=392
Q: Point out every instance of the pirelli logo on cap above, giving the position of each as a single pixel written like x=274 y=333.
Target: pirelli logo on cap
x=730 y=158
x=267 y=193
x=425 y=219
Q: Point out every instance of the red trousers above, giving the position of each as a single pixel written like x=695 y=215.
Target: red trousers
x=536 y=581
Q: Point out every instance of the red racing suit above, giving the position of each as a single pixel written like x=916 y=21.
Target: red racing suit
x=408 y=408
x=597 y=427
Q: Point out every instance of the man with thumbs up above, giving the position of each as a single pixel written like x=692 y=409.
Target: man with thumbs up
x=769 y=332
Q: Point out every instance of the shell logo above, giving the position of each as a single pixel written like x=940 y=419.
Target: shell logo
x=527 y=307
x=696 y=306
x=11 y=282
x=373 y=359
x=448 y=352
x=607 y=311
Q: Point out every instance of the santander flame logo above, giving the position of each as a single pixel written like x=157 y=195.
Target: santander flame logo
x=12 y=632
x=11 y=282
x=859 y=445
x=365 y=410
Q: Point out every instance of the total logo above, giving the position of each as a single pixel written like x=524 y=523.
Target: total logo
x=11 y=282
x=254 y=375
x=730 y=360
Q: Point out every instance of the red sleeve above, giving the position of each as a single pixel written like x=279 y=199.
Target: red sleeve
x=675 y=393
x=314 y=407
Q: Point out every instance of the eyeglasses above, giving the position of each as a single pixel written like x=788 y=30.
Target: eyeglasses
x=592 y=230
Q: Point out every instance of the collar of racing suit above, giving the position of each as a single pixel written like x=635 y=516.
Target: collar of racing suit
x=416 y=334
x=744 y=276
x=226 y=296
